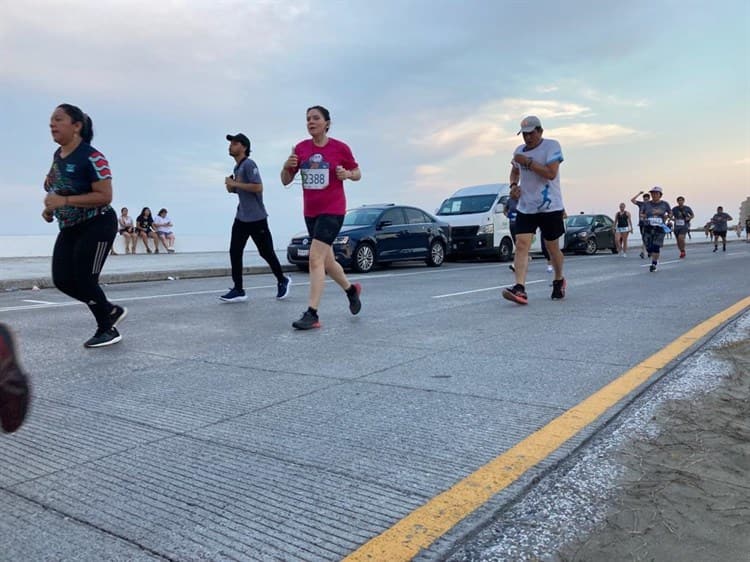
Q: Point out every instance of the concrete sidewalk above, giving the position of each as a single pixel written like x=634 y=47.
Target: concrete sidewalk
x=27 y=273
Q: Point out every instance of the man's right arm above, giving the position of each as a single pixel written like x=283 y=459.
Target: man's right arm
x=515 y=175
x=633 y=199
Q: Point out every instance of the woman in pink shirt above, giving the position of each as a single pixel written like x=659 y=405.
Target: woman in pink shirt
x=324 y=164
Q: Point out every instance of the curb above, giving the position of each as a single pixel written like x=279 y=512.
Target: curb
x=112 y=278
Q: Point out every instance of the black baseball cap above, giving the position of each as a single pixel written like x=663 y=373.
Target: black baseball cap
x=240 y=138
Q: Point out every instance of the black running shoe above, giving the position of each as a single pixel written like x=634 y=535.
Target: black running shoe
x=234 y=295
x=118 y=314
x=307 y=322
x=512 y=268
x=355 y=305
x=282 y=289
x=516 y=293
x=558 y=289
x=652 y=267
x=103 y=338
x=14 y=384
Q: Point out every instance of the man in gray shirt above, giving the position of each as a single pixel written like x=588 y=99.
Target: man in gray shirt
x=251 y=220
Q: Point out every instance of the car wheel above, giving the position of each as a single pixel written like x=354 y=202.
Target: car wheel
x=364 y=258
x=591 y=246
x=436 y=255
x=506 y=249
x=614 y=250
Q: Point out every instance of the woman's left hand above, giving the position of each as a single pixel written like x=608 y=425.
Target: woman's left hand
x=54 y=201
x=342 y=173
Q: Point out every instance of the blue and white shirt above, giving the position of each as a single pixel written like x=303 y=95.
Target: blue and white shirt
x=538 y=194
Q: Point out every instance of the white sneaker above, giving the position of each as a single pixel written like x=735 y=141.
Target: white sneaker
x=549 y=269
x=624 y=255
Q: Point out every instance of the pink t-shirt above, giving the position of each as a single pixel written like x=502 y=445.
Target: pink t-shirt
x=323 y=191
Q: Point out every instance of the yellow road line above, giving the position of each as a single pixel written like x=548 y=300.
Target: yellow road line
x=426 y=524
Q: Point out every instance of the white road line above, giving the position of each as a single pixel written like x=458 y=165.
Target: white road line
x=38 y=302
x=482 y=290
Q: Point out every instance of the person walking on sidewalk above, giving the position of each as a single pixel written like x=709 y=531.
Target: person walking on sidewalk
x=641 y=223
x=15 y=393
x=324 y=164
x=79 y=193
x=250 y=221
x=623 y=227
x=655 y=214
x=720 y=220
x=682 y=215
x=536 y=169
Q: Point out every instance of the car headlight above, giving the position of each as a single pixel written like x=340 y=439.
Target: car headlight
x=486 y=229
x=341 y=240
x=583 y=235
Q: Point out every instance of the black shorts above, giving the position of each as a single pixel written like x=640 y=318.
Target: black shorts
x=653 y=238
x=680 y=230
x=551 y=224
x=324 y=228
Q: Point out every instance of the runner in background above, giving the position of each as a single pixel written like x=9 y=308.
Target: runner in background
x=641 y=224
x=623 y=227
x=720 y=220
x=682 y=215
x=250 y=221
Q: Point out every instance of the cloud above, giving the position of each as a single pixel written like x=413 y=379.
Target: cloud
x=743 y=161
x=178 y=49
x=546 y=89
x=610 y=99
x=593 y=134
x=493 y=127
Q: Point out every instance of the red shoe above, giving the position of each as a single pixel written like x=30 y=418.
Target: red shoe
x=14 y=384
x=682 y=255
x=516 y=294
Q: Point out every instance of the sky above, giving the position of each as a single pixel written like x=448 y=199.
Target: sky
x=428 y=94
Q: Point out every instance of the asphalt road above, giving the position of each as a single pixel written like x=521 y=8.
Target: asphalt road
x=216 y=432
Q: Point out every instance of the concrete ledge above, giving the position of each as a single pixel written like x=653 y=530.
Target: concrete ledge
x=111 y=278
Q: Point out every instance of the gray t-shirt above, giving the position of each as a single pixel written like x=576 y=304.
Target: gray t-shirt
x=250 y=207
x=655 y=214
x=720 y=221
x=538 y=194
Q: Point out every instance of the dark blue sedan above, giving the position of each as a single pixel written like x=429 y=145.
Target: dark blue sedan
x=381 y=234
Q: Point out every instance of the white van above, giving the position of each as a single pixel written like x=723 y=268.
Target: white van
x=478 y=225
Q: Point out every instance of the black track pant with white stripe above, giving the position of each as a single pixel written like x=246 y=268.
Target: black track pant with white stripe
x=77 y=261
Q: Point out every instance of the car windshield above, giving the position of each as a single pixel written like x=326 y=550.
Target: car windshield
x=361 y=217
x=579 y=220
x=466 y=205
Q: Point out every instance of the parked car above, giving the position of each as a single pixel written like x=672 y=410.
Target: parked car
x=588 y=234
x=378 y=235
